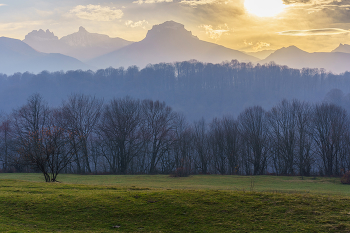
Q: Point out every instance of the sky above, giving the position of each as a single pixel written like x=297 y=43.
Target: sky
x=246 y=25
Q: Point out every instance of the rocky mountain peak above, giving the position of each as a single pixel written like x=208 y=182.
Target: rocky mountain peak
x=82 y=29
x=169 y=29
x=41 y=35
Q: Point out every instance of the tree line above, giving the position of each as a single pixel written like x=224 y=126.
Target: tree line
x=87 y=135
x=197 y=89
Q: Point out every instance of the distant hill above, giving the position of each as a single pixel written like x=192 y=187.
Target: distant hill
x=81 y=45
x=296 y=58
x=17 y=56
x=342 y=48
x=261 y=54
x=169 y=42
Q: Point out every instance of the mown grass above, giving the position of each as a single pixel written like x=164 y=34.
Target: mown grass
x=290 y=184
x=34 y=206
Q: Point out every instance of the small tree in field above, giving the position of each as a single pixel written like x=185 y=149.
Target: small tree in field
x=42 y=141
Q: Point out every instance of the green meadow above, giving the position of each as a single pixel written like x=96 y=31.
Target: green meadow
x=109 y=203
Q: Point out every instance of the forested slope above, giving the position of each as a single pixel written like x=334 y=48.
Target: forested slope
x=193 y=88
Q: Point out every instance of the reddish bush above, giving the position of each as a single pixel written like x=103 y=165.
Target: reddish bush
x=346 y=178
x=180 y=172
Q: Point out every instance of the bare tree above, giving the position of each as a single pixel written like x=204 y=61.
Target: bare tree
x=82 y=114
x=182 y=147
x=232 y=143
x=120 y=131
x=29 y=123
x=304 y=158
x=217 y=146
x=201 y=146
x=253 y=128
x=159 y=130
x=282 y=121
x=57 y=151
x=6 y=142
x=331 y=125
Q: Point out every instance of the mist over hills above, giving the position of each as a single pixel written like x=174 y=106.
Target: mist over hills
x=337 y=62
x=17 y=56
x=169 y=42
x=81 y=45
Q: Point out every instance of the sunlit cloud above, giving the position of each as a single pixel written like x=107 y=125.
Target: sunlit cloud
x=3 y=4
x=151 y=1
x=248 y=43
x=257 y=46
x=314 y=32
x=198 y=2
x=261 y=45
x=295 y=1
x=215 y=33
x=133 y=24
x=97 y=12
x=18 y=25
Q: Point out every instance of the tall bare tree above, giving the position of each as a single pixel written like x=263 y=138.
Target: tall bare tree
x=120 y=129
x=331 y=124
x=6 y=141
x=160 y=122
x=253 y=128
x=82 y=114
x=201 y=146
x=232 y=143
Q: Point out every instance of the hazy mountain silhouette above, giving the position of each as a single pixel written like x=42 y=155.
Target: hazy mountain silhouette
x=342 y=48
x=82 y=45
x=297 y=58
x=17 y=56
x=261 y=54
x=169 y=42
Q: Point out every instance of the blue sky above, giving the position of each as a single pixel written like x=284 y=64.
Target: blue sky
x=313 y=25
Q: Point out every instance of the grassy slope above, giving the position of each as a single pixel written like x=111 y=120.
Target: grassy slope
x=41 y=207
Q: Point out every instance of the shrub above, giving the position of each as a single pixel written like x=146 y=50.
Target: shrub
x=346 y=178
x=180 y=172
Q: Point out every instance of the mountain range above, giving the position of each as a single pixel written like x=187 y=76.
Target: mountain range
x=167 y=42
x=337 y=62
x=17 y=56
x=81 y=45
x=342 y=48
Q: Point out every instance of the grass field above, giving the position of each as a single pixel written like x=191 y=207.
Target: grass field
x=290 y=184
x=165 y=204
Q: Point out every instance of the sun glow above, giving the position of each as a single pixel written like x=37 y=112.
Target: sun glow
x=264 y=8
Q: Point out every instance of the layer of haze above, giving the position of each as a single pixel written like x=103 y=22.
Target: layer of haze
x=312 y=25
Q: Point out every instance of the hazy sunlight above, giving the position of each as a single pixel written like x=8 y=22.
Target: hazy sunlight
x=265 y=8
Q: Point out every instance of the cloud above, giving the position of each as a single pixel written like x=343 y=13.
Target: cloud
x=151 y=1
x=204 y=2
x=248 y=43
x=97 y=12
x=197 y=2
x=133 y=24
x=257 y=46
x=217 y=33
x=261 y=45
x=314 y=32
x=19 y=25
x=287 y=2
x=3 y=4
